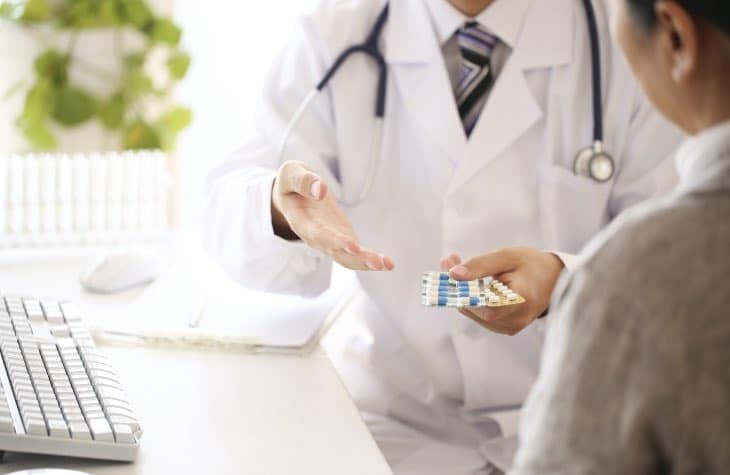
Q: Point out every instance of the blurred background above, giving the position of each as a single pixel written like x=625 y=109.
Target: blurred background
x=106 y=75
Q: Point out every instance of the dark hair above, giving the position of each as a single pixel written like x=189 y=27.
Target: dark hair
x=716 y=12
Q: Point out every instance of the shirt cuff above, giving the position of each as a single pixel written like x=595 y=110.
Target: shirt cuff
x=570 y=261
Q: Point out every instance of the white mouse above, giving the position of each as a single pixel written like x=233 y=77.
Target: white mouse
x=121 y=270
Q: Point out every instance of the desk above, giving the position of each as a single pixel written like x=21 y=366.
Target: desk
x=211 y=412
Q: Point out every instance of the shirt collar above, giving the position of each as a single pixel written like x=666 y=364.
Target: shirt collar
x=704 y=157
x=502 y=18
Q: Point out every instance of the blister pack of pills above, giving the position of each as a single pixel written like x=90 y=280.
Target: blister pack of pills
x=440 y=290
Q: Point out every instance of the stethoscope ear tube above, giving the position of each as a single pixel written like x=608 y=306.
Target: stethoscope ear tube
x=370 y=48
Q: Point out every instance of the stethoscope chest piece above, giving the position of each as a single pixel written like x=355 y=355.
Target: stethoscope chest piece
x=592 y=162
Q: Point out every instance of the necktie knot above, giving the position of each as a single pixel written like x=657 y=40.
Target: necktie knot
x=475 y=43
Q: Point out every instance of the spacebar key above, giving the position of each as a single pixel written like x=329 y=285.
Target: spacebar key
x=101 y=430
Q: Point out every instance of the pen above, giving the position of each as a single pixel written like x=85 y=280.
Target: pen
x=195 y=319
x=184 y=338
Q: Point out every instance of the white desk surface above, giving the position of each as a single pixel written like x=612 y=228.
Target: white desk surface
x=211 y=412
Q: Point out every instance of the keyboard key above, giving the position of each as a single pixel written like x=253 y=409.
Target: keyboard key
x=120 y=411
x=75 y=417
x=70 y=310
x=108 y=382
x=35 y=426
x=60 y=330
x=94 y=414
x=123 y=434
x=59 y=385
x=131 y=422
x=6 y=425
x=57 y=428
x=54 y=318
x=79 y=430
x=110 y=393
x=100 y=429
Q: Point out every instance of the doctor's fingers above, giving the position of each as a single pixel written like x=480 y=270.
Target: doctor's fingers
x=344 y=248
x=324 y=238
x=362 y=260
x=449 y=261
x=297 y=178
x=369 y=261
x=494 y=326
x=493 y=263
x=509 y=320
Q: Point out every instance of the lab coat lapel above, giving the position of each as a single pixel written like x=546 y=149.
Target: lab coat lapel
x=545 y=41
x=416 y=63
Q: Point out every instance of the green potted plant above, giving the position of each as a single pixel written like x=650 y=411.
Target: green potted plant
x=142 y=66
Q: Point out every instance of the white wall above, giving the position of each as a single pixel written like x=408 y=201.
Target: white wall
x=232 y=44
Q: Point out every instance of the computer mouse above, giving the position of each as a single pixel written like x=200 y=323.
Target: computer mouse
x=48 y=471
x=121 y=270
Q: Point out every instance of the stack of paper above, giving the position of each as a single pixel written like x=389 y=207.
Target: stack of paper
x=178 y=304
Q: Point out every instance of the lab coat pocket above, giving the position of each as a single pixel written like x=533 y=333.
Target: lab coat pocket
x=573 y=208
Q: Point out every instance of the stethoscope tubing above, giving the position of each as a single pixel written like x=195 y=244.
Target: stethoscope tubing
x=595 y=71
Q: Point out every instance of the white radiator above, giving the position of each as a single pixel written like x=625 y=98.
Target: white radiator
x=79 y=200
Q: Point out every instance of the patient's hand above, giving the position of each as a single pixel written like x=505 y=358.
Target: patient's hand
x=530 y=272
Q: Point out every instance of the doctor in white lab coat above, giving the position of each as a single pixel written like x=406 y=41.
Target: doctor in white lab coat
x=438 y=392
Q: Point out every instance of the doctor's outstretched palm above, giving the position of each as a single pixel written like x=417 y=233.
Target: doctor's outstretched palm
x=301 y=208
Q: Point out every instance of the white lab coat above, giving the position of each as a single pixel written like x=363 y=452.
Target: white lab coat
x=435 y=192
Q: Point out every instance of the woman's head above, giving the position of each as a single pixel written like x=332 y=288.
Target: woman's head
x=679 y=51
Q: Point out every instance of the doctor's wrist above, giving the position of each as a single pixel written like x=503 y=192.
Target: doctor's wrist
x=280 y=224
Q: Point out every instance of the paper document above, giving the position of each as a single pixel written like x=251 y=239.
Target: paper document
x=176 y=303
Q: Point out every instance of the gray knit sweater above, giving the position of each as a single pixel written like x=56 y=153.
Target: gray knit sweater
x=636 y=372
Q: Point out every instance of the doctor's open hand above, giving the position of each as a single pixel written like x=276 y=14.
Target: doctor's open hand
x=530 y=272
x=302 y=208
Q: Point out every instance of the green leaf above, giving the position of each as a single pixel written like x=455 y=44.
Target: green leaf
x=38 y=102
x=140 y=135
x=36 y=10
x=108 y=13
x=32 y=121
x=39 y=136
x=73 y=106
x=134 y=61
x=172 y=123
x=176 y=119
x=178 y=64
x=79 y=14
x=165 y=31
x=14 y=89
x=138 y=83
x=52 y=65
x=7 y=10
x=136 y=13
x=111 y=112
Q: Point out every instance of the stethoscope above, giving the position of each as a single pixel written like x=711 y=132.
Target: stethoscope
x=592 y=161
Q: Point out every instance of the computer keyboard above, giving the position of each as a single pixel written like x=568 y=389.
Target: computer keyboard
x=58 y=394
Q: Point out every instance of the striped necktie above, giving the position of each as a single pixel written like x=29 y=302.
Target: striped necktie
x=476 y=46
